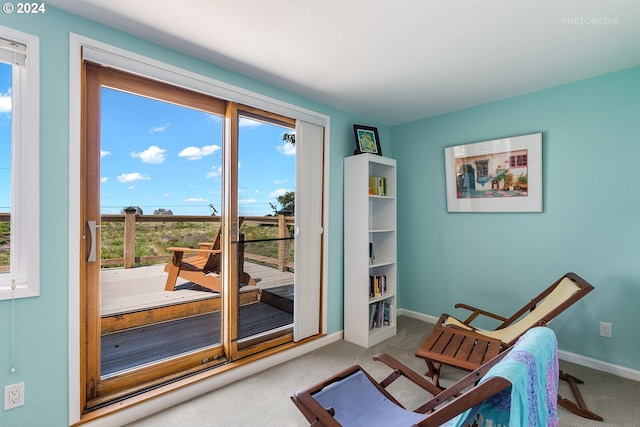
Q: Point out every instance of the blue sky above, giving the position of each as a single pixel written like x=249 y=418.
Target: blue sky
x=159 y=155
x=5 y=137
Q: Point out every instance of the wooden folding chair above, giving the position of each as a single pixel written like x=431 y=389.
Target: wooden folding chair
x=458 y=344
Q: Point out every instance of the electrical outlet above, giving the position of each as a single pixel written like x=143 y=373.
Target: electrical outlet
x=606 y=329
x=13 y=396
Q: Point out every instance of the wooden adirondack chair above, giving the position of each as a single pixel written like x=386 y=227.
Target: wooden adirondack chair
x=204 y=268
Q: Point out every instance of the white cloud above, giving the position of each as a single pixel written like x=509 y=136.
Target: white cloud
x=104 y=179
x=248 y=201
x=195 y=153
x=159 y=129
x=153 y=154
x=248 y=123
x=287 y=149
x=279 y=192
x=167 y=194
x=132 y=177
x=131 y=187
x=214 y=118
x=280 y=181
x=5 y=102
x=104 y=153
x=215 y=172
x=195 y=200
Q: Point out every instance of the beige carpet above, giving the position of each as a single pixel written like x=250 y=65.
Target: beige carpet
x=263 y=399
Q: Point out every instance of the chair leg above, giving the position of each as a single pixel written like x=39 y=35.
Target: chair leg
x=434 y=372
x=173 y=269
x=579 y=407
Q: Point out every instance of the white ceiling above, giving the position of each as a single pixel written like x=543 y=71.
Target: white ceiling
x=391 y=61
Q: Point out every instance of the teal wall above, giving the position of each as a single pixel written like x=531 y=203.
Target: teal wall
x=590 y=225
x=41 y=332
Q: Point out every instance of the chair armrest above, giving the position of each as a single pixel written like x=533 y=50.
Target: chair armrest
x=193 y=250
x=462 y=386
x=400 y=369
x=313 y=411
x=475 y=312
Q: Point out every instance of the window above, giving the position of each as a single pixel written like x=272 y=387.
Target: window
x=482 y=171
x=19 y=165
x=518 y=160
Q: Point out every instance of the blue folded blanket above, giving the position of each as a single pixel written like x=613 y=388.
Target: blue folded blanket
x=532 y=369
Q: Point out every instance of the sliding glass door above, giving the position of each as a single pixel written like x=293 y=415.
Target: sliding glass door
x=193 y=216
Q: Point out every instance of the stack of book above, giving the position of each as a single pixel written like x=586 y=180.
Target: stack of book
x=377 y=185
x=377 y=285
x=379 y=314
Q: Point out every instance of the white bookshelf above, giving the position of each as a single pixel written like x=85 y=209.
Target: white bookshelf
x=369 y=218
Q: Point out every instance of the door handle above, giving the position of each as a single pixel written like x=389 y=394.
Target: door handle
x=92 y=235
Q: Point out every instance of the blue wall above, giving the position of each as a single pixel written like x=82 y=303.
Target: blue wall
x=590 y=225
x=41 y=333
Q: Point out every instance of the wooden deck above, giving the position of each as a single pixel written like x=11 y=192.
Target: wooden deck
x=139 y=346
x=142 y=288
x=142 y=323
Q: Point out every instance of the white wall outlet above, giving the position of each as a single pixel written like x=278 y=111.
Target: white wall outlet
x=606 y=329
x=13 y=396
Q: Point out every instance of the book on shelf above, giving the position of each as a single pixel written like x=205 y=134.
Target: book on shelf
x=372 y=315
x=386 y=320
x=377 y=285
x=377 y=186
x=372 y=255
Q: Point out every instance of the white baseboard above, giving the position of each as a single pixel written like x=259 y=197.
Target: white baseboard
x=599 y=365
x=192 y=391
x=578 y=359
x=416 y=315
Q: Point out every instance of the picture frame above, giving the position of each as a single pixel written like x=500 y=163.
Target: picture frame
x=499 y=175
x=367 y=140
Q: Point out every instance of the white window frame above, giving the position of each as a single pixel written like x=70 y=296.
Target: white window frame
x=23 y=279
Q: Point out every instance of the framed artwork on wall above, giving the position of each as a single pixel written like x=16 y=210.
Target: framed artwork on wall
x=499 y=175
x=367 y=140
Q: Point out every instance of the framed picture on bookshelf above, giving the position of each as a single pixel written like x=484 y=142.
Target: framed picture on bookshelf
x=367 y=140
x=500 y=175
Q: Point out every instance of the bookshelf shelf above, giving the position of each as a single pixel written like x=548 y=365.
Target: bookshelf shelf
x=377 y=299
x=370 y=282
x=381 y=263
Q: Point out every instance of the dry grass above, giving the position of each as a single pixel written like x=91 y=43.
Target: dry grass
x=153 y=238
x=5 y=235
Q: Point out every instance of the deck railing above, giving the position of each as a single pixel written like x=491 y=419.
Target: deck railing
x=129 y=258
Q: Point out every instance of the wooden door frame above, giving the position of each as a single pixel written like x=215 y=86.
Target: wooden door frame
x=89 y=272
x=230 y=219
x=230 y=225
